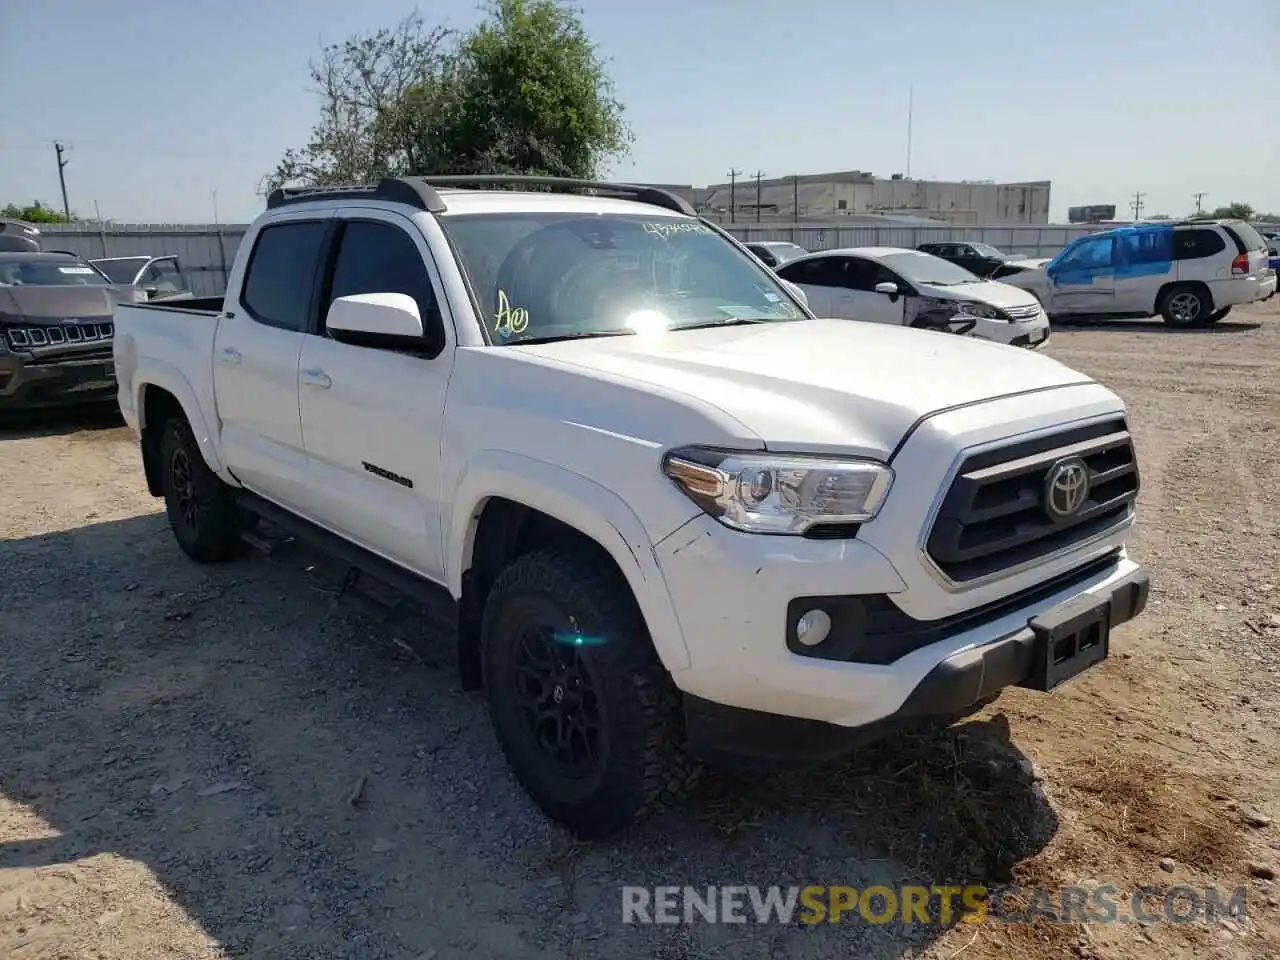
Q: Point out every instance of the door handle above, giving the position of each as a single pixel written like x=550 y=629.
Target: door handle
x=317 y=378
x=230 y=356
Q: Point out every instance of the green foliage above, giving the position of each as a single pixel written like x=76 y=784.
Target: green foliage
x=523 y=92
x=34 y=212
x=1235 y=211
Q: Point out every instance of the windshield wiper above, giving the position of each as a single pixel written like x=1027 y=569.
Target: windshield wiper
x=732 y=322
x=581 y=335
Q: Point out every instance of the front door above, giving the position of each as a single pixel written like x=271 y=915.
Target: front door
x=1082 y=277
x=372 y=419
x=255 y=361
x=820 y=278
x=857 y=299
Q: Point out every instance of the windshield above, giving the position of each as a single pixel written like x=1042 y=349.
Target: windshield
x=53 y=272
x=920 y=267
x=986 y=250
x=121 y=271
x=562 y=275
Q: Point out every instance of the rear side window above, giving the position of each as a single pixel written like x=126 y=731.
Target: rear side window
x=1246 y=238
x=1196 y=243
x=376 y=257
x=819 y=272
x=281 y=274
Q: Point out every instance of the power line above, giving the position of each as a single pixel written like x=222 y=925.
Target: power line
x=62 y=179
x=733 y=176
x=1198 y=197
x=1136 y=205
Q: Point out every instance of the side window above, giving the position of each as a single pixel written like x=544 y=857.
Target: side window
x=882 y=274
x=861 y=275
x=819 y=272
x=1196 y=243
x=281 y=273
x=1146 y=246
x=375 y=257
x=963 y=250
x=1091 y=254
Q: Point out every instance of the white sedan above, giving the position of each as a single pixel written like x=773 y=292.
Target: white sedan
x=914 y=289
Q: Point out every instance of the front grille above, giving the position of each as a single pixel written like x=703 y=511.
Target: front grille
x=1029 y=312
x=26 y=338
x=995 y=516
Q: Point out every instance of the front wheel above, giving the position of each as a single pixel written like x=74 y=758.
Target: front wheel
x=1186 y=307
x=202 y=510
x=584 y=711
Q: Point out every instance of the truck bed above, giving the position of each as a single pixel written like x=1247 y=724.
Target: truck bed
x=178 y=351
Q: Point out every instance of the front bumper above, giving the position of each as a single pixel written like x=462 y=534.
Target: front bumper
x=748 y=693
x=26 y=385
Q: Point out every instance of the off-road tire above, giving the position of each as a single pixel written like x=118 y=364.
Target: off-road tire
x=642 y=757
x=210 y=532
x=1186 y=306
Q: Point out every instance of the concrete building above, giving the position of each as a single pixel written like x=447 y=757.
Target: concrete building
x=856 y=193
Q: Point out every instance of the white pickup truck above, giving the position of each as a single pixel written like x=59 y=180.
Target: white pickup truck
x=678 y=517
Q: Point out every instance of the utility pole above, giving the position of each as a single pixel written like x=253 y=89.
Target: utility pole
x=911 y=102
x=757 y=177
x=1198 y=197
x=62 y=179
x=733 y=176
x=795 y=198
x=1137 y=205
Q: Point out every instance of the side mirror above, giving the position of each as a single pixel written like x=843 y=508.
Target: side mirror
x=150 y=292
x=796 y=292
x=888 y=288
x=387 y=320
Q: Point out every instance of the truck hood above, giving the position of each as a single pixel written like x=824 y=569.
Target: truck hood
x=991 y=292
x=54 y=304
x=816 y=385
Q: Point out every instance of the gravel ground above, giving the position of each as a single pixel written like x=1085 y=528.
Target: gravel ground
x=233 y=761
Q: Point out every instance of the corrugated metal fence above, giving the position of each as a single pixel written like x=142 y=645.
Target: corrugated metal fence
x=207 y=250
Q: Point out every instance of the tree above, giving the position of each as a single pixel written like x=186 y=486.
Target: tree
x=532 y=96
x=34 y=212
x=524 y=92
x=370 y=85
x=1235 y=211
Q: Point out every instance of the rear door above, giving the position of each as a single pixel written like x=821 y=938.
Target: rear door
x=372 y=419
x=1250 y=243
x=819 y=277
x=255 y=358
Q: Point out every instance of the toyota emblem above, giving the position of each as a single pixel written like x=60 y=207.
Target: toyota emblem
x=1066 y=488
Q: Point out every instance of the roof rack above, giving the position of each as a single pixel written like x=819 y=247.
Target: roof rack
x=632 y=191
x=419 y=192
x=410 y=190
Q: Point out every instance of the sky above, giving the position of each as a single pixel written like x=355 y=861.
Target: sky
x=161 y=104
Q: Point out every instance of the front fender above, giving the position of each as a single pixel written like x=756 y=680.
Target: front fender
x=165 y=376
x=584 y=505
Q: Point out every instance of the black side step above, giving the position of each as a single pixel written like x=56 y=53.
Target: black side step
x=431 y=595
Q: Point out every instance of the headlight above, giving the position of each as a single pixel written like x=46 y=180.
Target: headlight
x=761 y=492
x=973 y=308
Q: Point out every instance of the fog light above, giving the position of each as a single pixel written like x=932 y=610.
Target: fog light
x=812 y=628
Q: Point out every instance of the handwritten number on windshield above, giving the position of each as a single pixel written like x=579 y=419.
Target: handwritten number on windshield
x=509 y=321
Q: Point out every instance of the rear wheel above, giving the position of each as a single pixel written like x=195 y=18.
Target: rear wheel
x=584 y=711
x=202 y=510
x=1186 y=306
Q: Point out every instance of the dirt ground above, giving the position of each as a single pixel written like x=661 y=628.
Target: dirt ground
x=209 y=762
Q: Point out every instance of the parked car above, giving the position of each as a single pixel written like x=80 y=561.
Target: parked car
x=56 y=327
x=674 y=514
x=1273 y=253
x=1190 y=273
x=981 y=259
x=17 y=236
x=774 y=253
x=160 y=278
x=914 y=289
